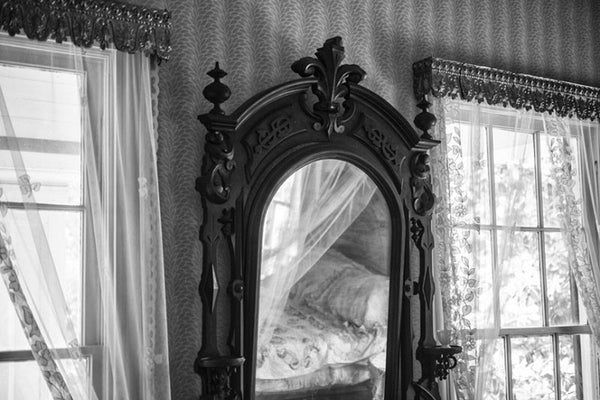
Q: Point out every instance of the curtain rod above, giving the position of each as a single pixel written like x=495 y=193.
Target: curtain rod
x=441 y=78
x=127 y=27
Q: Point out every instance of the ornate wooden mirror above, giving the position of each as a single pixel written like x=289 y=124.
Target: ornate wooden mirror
x=313 y=193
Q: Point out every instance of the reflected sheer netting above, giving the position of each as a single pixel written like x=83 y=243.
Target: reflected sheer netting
x=309 y=211
x=116 y=206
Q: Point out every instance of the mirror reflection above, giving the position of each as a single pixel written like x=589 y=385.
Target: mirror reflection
x=324 y=286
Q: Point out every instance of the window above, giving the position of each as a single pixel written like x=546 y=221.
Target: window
x=517 y=285
x=47 y=155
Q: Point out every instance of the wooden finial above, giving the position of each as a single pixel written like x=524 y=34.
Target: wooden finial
x=217 y=92
x=425 y=120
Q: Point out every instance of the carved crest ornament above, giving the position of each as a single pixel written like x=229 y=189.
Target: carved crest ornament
x=331 y=87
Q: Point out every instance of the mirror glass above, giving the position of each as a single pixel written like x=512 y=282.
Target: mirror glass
x=324 y=286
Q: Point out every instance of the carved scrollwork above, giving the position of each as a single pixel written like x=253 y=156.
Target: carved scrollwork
x=423 y=197
x=416 y=230
x=332 y=86
x=471 y=82
x=381 y=142
x=218 y=164
x=265 y=138
x=128 y=27
x=216 y=373
x=444 y=359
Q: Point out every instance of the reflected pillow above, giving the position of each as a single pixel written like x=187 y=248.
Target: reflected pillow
x=367 y=239
x=340 y=287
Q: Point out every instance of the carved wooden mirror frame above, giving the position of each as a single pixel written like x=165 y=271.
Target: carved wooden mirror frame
x=250 y=151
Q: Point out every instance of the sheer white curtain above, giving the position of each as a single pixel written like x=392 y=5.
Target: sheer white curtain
x=574 y=150
x=121 y=318
x=482 y=257
x=309 y=211
x=591 y=211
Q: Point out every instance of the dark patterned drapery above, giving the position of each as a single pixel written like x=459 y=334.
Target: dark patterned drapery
x=127 y=27
x=441 y=78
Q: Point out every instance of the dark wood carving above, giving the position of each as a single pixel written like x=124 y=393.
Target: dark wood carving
x=436 y=360
x=127 y=27
x=441 y=78
x=381 y=142
x=218 y=163
x=212 y=364
x=278 y=129
x=248 y=153
x=331 y=88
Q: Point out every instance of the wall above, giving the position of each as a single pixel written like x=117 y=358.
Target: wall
x=256 y=41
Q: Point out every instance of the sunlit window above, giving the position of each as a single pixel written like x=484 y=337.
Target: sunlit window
x=514 y=241
x=43 y=155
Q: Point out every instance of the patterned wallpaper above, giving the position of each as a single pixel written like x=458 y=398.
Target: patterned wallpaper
x=256 y=41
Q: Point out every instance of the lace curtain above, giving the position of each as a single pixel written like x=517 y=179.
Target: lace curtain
x=469 y=281
x=122 y=257
x=579 y=213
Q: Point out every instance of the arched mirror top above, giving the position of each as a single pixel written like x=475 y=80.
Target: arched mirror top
x=327 y=106
x=275 y=173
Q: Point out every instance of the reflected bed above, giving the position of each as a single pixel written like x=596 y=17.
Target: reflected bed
x=332 y=333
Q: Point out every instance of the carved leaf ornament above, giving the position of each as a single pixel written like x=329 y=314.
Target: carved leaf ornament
x=331 y=87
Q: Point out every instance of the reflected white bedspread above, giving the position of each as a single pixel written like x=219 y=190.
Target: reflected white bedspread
x=305 y=342
x=336 y=317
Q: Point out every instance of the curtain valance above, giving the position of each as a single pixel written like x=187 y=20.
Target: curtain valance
x=442 y=78
x=127 y=27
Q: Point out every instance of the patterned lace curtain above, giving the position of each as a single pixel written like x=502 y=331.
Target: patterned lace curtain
x=468 y=279
x=574 y=169
x=463 y=264
x=114 y=201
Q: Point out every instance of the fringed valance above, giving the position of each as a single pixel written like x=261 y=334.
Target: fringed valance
x=87 y=22
x=440 y=78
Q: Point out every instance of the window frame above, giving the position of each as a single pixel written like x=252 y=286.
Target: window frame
x=507 y=334
x=98 y=61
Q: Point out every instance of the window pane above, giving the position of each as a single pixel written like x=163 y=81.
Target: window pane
x=22 y=380
x=570 y=372
x=12 y=336
x=561 y=309
x=589 y=367
x=42 y=104
x=561 y=148
x=53 y=178
x=533 y=368
x=44 y=109
x=514 y=174
x=62 y=230
x=520 y=292
x=481 y=294
x=494 y=387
